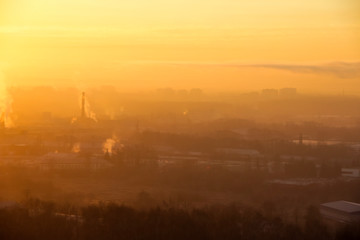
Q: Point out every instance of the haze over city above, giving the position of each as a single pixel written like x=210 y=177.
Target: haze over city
x=179 y=119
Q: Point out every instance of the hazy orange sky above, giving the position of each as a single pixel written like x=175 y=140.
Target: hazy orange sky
x=236 y=45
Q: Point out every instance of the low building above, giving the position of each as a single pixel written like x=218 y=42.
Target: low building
x=341 y=211
x=71 y=161
x=180 y=157
x=8 y=204
x=288 y=92
x=350 y=172
x=270 y=93
x=246 y=153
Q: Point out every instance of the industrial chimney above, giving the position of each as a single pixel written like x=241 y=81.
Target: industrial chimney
x=83 y=114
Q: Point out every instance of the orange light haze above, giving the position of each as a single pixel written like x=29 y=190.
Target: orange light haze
x=213 y=44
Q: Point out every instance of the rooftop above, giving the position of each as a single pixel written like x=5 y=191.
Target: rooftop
x=344 y=206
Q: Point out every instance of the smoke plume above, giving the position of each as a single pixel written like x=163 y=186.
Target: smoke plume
x=5 y=104
x=110 y=144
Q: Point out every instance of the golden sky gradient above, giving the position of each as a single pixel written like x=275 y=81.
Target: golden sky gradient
x=211 y=44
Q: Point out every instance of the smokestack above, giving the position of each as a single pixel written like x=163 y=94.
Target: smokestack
x=2 y=121
x=83 y=115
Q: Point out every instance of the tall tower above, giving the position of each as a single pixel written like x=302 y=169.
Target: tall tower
x=2 y=121
x=83 y=114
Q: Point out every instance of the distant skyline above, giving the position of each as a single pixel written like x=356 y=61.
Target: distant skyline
x=216 y=45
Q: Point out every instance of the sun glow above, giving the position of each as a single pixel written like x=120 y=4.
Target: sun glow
x=102 y=41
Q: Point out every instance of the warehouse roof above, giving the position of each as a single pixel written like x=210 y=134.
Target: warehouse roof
x=344 y=206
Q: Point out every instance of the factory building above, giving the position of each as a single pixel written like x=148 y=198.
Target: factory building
x=341 y=211
x=350 y=172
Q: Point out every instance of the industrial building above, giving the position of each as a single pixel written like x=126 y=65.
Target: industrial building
x=341 y=211
x=350 y=172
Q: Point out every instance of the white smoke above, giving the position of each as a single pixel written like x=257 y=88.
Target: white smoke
x=5 y=104
x=88 y=112
x=80 y=84
x=111 y=144
x=76 y=148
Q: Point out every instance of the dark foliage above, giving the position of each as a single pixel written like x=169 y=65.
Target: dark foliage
x=39 y=220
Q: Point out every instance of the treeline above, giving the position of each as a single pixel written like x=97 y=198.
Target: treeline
x=35 y=219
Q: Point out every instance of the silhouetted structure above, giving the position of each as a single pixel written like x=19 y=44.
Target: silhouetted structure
x=83 y=113
x=288 y=92
x=86 y=119
x=270 y=93
x=341 y=211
